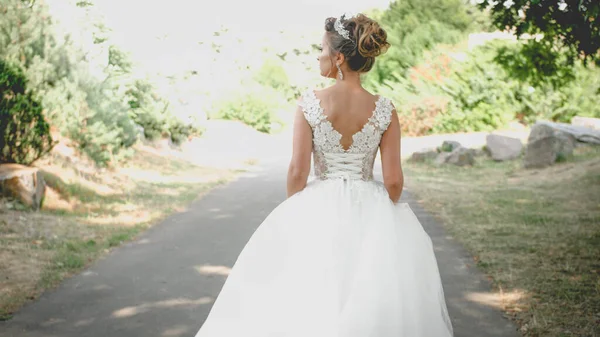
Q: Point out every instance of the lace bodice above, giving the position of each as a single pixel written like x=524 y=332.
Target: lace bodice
x=330 y=158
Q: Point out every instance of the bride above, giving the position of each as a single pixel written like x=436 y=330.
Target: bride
x=340 y=257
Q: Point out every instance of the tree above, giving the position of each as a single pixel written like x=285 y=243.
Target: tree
x=569 y=30
x=25 y=134
x=415 y=26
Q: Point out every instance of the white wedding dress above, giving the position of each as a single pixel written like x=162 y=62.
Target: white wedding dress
x=339 y=258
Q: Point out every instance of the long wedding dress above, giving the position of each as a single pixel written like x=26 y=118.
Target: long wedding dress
x=339 y=258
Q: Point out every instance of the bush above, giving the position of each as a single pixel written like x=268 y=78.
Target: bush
x=106 y=131
x=25 y=133
x=579 y=97
x=480 y=97
x=417 y=96
x=256 y=107
x=180 y=132
x=83 y=92
x=148 y=110
x=416 y=26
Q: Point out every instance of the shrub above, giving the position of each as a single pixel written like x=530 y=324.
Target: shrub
x=25 y=133
x=255 y=106
x=180 y=132
x=148 y=110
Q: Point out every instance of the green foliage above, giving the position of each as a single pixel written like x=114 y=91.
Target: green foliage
x=106 y=131
x=578 y=97
x=479 y=97
x=90 y=96
x=477 y=94
x=255 y=106
x=180 y=132
x=25 y=133
x=272 y=74
x=569 y=30
x=153 y=114
x=417 y=103
x=446 y=147
x=415 y=26
x=148 y=109
x=496 y=83
x=86 y=108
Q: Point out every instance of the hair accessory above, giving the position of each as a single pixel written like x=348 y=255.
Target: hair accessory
x=339 y=27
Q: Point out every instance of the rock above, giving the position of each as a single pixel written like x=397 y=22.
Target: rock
x=478 y=152
x=442 y=158
x=587 y=122
x=460 y=157
x=547 y=144
x=580 y=133
x=423 y=155
x=503 y=148
x=449 y=146
x=23 y=183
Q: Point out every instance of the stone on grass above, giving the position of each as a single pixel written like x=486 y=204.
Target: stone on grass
x=441 y=158
x=478 y=152
x=449 y=146
x=459 y=157
x=588 y=122
x=423 y=156
x=503 y=148
x=23 y=183
x=546 y=145
x=581 y=134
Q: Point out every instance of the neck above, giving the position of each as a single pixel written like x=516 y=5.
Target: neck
x=351 y=81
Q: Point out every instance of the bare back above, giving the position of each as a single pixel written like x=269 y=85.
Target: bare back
x=346 y=138
x=347 y=112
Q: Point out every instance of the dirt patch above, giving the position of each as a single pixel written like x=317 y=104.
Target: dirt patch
x=86 y=212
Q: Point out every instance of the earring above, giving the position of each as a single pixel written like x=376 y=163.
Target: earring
x=340 y=74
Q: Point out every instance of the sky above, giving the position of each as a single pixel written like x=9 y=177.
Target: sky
x=157 y=32
x=254 y=16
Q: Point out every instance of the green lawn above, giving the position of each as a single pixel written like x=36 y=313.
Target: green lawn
x=536 y=233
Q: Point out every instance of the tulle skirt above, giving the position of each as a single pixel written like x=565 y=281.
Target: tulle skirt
x=337 y=259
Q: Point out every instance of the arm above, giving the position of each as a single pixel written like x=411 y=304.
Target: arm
x=299 y=168
x=393 y=178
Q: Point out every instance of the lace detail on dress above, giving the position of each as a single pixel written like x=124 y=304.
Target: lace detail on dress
x=326 y=140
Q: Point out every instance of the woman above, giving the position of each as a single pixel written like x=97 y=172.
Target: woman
x=340 y=257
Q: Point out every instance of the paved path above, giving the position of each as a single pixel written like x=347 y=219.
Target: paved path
x=164 y=283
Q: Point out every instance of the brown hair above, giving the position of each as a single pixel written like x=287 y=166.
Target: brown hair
x=367 y=41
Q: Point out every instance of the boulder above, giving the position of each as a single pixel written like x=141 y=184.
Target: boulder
x=460 y=156
x=587 y=122
x=442 y=158
x=503 y=148
x=579 y=133
x=23 y=183
x=478 y=152
x=449 y=146
x=423 y=155
x=546 y=144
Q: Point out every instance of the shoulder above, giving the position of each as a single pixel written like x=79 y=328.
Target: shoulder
x=309 y=103
x=307 y=98
x=383 y=111
x=387 y=103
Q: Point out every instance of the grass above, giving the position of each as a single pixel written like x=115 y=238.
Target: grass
x=85 y=215
x=534 y=232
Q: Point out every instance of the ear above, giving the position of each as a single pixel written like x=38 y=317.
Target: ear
x=340 y=58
